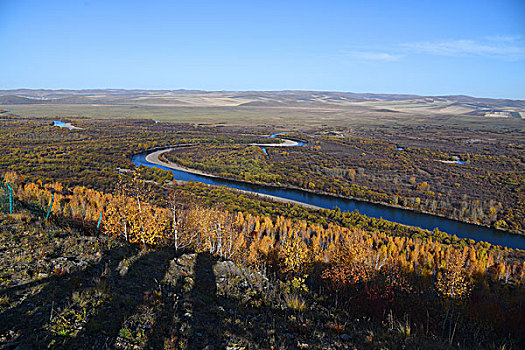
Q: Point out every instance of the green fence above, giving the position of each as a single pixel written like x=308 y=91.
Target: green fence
x=6 y=198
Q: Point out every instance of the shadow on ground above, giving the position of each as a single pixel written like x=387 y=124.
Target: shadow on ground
x=38 y=300
x=163 y=300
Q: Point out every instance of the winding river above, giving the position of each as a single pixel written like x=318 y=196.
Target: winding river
x=399 y=215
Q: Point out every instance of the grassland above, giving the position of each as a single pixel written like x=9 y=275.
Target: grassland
x=292 y=110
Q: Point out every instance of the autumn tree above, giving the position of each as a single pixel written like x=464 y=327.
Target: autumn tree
x=453 y=287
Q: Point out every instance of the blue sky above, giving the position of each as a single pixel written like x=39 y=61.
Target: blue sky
x=430 y=48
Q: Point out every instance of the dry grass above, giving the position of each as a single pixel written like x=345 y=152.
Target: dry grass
x=404 y=329
x=295 y=302
x=289 y=117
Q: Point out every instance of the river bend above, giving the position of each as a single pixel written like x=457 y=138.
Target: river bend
x=399 y=215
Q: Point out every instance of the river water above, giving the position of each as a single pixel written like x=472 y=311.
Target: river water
x=62 y=124
x=402 y=216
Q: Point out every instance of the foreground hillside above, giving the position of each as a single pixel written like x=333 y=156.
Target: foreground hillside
x=63 y=288
x=188 y=276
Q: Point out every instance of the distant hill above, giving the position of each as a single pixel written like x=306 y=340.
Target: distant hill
x=448 y=104
x=20 y=100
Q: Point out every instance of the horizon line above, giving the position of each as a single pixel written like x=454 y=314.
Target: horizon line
x=264 y=90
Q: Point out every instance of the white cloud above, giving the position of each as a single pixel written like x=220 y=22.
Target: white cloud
x=505 y=48
x=375 y=56
x=504 y=38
